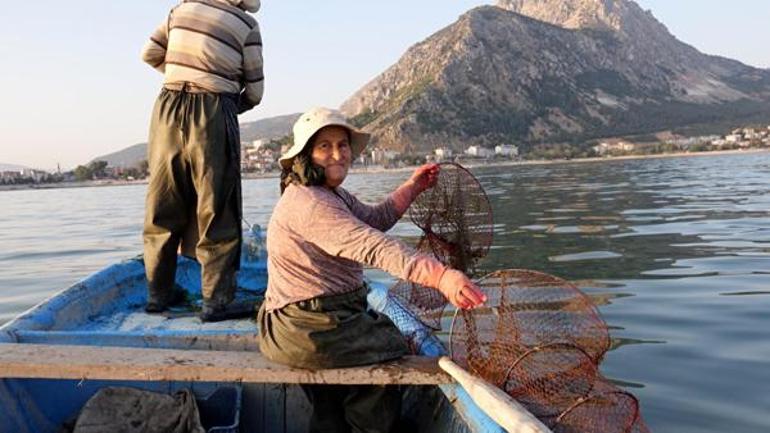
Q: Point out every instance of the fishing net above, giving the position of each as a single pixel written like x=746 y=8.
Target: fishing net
x=535 y=332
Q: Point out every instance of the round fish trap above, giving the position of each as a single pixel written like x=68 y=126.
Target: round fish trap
x=526 y=309
x=540 y=340
x=606 y=410
x=456 y=218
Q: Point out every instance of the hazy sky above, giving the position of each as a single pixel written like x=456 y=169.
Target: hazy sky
x=75 y=88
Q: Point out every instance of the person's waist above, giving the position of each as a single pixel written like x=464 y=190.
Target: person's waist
x=318 y=300
x=327 y=302
x=188 y=87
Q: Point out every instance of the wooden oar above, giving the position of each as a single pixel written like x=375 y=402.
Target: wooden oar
x=503 y=409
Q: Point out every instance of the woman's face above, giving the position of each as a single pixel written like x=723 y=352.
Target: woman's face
x=331 y=150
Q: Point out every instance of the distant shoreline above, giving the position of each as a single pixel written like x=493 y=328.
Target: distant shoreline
x=379 y=169
x=623 y=158
x=75 y=184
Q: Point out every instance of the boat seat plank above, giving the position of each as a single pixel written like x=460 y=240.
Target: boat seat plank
x=125 y=363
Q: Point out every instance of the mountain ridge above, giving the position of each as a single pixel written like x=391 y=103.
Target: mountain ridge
x=498 y=76
x=264 y=129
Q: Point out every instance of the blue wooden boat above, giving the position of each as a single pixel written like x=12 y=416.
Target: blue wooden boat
x=57 y=355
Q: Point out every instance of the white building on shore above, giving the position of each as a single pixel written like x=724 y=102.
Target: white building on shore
x=612 y=146
x=479 y=152
x=507 y=150
x=443 y=154
x=383 y=156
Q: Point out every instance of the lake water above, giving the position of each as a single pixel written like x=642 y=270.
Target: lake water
x=677 y=250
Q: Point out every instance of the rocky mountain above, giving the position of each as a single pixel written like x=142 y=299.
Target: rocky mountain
x=264 y=129
x=532 y=71
x=129 y=157
x=268 y=129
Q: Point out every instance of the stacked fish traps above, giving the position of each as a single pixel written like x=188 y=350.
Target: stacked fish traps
x=541 y=340
x=538 y=337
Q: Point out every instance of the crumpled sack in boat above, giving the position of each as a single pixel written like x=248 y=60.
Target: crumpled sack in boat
x=129 y=410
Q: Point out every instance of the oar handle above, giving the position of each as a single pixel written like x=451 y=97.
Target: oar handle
x=503 y=409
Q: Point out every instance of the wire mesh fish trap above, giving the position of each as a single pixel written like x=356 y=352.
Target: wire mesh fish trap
x=456 y=218
x=527 y=309
x=540 y=340
x=607 y=410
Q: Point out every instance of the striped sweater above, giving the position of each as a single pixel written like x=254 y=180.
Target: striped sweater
x=212 y=44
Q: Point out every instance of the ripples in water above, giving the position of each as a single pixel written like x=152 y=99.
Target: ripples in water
x=676 y=252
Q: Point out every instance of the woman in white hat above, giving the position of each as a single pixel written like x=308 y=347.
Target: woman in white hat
x=315 y=312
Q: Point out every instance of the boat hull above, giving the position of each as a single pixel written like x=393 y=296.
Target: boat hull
x=106 y=310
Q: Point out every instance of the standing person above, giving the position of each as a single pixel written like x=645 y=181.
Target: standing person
x=315 y=311
x=210 y=53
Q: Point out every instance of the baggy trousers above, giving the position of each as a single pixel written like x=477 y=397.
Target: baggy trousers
x=335 y=332
x=194 y=162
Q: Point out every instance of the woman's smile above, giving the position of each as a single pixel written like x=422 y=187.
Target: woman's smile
x=331 y=150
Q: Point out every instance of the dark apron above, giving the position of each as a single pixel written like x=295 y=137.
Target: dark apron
x=329 y=332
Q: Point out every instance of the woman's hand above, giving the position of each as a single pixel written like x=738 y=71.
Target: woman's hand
x=460 y=290
x=424 y=177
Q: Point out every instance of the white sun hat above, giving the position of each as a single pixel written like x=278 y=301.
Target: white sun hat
x=313 y=121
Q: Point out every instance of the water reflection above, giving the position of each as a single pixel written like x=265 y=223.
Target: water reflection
x=617 y=343
x=588 y=255
x=746 y=293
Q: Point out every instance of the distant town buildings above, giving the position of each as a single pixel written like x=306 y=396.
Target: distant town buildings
x=685 y=143
x=257 y=156
x=740 y=138
x=613 y=146
x=262 y=155
x=24 y=175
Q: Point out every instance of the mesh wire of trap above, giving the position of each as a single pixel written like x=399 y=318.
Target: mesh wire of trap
x=455 y=217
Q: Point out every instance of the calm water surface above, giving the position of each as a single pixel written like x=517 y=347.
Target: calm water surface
x=676 y=251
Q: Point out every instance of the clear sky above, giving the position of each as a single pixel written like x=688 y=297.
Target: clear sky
x=75 y=88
